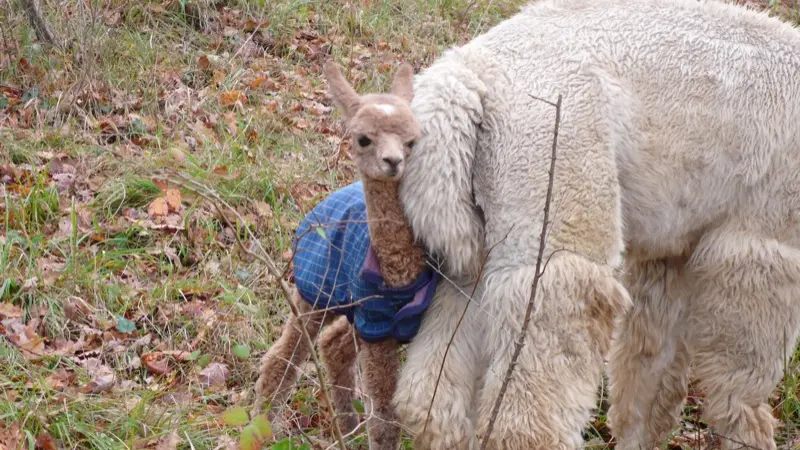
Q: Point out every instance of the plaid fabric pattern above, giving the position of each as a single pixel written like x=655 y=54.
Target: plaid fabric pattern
x=335 y=267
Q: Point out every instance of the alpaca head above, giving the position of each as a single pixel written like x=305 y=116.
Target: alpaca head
x=382 y=125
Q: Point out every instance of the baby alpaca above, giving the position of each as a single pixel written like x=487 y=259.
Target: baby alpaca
x=364 y=265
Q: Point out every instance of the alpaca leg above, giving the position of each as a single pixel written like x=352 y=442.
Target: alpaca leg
x=380 y=363
x=742 y=328
x=649 y=360
x=279 y=366
x=338 y=352
x=450 y=422
x=553 y=387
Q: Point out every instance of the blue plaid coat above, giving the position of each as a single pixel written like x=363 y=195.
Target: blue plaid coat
x=335 y=266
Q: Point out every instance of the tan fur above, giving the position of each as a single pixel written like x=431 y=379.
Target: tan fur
x=386 y=120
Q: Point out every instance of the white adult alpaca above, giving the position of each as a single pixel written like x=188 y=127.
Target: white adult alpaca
x=679 y=150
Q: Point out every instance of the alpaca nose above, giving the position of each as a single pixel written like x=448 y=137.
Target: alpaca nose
x=392 y=162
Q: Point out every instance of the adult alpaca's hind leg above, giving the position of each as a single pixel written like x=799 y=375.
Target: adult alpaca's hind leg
x=649 y=359
x=279 y=366
x=743 y=327
x=380 y=363
x=338 y=352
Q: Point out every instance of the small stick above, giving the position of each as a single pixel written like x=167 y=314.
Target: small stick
x=37 y=21
x=526 y=322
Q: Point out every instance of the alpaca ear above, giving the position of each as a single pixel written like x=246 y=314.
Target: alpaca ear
x=403 y=83
x=344 y=96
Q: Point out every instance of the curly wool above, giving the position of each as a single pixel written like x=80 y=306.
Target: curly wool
x=679 y=147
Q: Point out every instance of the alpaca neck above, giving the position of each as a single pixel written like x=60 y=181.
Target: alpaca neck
x=401 y=261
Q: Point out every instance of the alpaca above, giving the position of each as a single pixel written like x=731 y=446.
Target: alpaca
x=678 y=163
x=377 y=242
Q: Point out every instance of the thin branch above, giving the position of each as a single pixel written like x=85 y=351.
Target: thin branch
x=554 y=105
x=37 y=21
x=528 y=312
x=735 y=441
x=213 y=197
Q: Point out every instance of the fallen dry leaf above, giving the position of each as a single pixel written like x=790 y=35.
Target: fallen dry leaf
x=263 y=209
x=250 y=24
x=158 y=207
x=304 y=193
x=161 y=184
x=215 y=374
x=169 y=442
x=45 y=442
x=174 y=222
x=64 y=181
x=61 y=163
x=272 y=106
x=76 y=309
x=60 y=379
x=156 y=363
x=10 y=436
x=232 y=97
x=50 y=268
x=173 y=199
x=255 y=84
x=226 y=442
x=8 y=174
x=171 y=222
x=9 y=311
x=25 y=336
x=112 y=19
x=223 y=172
x=204 y=63
x=252 y=136
x=102 y=376
x=302 y=124
x=263 y=82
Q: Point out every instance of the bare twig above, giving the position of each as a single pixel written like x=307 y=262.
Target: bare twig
x=735 y=441
x=37 y=21
x=463 y=14
x=212 y=196
x=542 y=238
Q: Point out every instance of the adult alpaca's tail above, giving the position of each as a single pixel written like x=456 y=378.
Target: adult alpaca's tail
x=436 y=189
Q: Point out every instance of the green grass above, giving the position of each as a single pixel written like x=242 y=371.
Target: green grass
x=133 y=95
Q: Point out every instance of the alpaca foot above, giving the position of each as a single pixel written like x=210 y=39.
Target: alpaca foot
x=448 y=426
x=348 y=421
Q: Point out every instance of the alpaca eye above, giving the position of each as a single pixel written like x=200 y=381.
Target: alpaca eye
x=410 y=144
x=364 y=141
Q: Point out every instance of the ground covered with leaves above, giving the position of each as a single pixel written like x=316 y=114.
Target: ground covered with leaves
x=145 y=157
